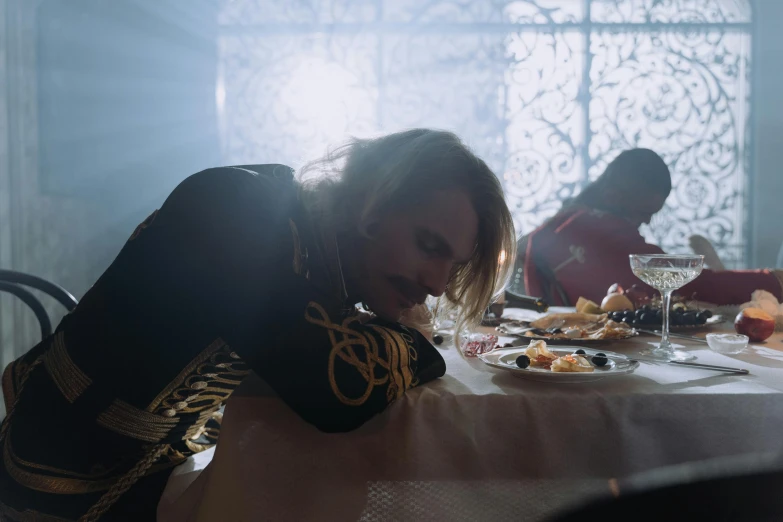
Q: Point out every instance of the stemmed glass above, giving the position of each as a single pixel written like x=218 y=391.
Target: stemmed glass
x=666 y=273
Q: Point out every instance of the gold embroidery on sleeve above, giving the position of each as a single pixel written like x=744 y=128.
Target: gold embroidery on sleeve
x=24 y=375
x=50 y=480
x=28 y=515
x=69 y=378
x=178 y=381
x=392 y=369
x=103 y=473
x=125 y=419
x=399 y=363
x=206 y=383
x=48 y=483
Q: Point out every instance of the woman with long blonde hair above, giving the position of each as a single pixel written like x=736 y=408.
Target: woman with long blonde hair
x=247 y=268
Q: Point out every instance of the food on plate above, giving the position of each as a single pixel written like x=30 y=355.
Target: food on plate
x=586 y=306
x=571 y=363
x=569 y=320
x=757 y=324
x=539 y=354
x=578 y=326
x=652 y=315
x=615 y=303
x=612 y=330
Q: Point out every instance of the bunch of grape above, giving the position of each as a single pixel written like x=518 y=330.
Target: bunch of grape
x=649 y=315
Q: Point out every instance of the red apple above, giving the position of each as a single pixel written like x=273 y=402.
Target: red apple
x=757 y=324
x=615 y=289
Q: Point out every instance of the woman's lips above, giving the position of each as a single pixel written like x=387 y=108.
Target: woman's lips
x=405 y=301
x=408 y=300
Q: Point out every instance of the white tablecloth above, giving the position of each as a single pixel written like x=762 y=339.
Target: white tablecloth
x=482 y=444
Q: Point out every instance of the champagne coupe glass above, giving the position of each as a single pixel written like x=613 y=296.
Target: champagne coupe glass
x=666 y=273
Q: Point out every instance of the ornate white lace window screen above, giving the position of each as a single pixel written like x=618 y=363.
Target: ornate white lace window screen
x=547 y=91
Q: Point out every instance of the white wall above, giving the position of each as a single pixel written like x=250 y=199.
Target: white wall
x=70 y=237
x=767 y=185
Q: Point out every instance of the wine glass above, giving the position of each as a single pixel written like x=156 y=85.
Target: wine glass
x=666 y=273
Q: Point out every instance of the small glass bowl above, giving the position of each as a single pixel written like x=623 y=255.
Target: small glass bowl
x=728 y=344
x=474 y=344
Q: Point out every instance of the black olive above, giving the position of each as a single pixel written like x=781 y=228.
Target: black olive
x=437 y=339
x=579 y=352
x=600 y=354
x=701 y=318
x=638 y=313
x=706 y=313
x=523 y=361
x=628 y=314
x=689 y=318
x=647 y=318
x=658 y=316
x=617 y=317
x=628 y=320
x=600 y=360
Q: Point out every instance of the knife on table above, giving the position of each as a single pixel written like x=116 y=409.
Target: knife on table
x=673 y=334
x=698 y=366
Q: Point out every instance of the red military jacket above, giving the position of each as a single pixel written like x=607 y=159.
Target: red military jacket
x=581 y=252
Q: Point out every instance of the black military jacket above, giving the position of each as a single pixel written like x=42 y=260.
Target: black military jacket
x=228 y=276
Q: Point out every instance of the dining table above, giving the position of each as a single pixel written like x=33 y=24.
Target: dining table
x=480 y=443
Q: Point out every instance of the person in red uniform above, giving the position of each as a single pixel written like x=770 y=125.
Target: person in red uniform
x=584 y=248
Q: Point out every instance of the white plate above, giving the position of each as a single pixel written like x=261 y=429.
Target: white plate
x=506 y=359
x=514 y=330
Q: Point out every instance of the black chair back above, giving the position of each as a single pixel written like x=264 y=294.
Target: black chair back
x=745 y=488
x=15 y=282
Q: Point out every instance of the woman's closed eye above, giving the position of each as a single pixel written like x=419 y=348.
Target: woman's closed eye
x=429 y=246
x=432 y=244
